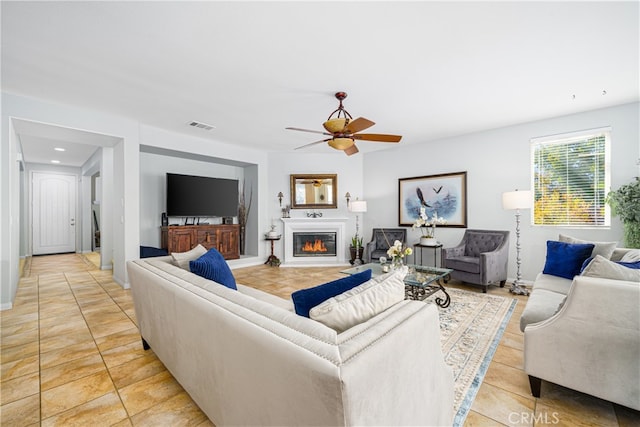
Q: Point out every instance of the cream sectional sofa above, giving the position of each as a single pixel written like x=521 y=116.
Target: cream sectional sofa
x=247 y=359
x=584 y=334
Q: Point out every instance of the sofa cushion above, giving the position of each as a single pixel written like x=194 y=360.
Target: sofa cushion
x=464 y=263
x=601 y=248
x=182 y=259
x=541 y=305
x=604 y=268
x=565 y=259
x=213 y=266
x=552 y=283
x=305 y=299
x=361 y=303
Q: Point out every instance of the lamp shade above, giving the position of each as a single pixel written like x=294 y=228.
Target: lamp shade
x=341 y=143
x=358 y=206
x=516 y=200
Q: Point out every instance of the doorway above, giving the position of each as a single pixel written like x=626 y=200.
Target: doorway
x=54 y=213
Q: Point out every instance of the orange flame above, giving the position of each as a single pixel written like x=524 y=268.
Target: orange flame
x=317 y=246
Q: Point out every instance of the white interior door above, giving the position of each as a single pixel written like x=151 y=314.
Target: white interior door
x=54 y=213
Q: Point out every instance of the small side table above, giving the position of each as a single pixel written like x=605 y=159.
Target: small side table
x=273 y=260
x=435 y=253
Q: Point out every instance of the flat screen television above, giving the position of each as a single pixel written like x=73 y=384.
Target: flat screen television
x=200 y=196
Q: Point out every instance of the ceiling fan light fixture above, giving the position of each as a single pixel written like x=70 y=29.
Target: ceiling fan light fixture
x=336 y=125
x=341 y=143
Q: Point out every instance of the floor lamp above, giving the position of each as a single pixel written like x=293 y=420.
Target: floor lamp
x=517 y=200
x=357 y=206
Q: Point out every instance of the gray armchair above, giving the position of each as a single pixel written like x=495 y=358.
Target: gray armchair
x=481 y=258
x=381 y=240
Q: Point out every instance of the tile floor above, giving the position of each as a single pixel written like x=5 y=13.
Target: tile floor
x=71 y=355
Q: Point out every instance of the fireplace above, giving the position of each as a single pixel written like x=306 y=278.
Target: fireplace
x=314 y=244
x=324 y=241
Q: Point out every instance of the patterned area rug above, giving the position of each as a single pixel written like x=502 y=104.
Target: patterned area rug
x=471 y=328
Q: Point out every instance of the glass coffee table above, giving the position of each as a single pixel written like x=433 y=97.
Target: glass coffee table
x=419 y=283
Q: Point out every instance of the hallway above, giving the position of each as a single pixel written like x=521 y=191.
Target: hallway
x=71 y=354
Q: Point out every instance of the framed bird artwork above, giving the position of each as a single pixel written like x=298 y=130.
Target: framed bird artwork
x=444 y=195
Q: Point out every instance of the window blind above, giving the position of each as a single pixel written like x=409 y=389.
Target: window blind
x=570 y=177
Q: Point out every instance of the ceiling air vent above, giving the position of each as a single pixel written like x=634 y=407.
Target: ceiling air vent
x=201 y=125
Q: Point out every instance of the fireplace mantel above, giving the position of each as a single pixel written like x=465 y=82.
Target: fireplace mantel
x=297 y=225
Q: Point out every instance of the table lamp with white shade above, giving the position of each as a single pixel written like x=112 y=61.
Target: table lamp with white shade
x=516 y=200
x=357 y=206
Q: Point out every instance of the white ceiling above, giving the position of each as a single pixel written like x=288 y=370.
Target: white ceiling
x=425 y=70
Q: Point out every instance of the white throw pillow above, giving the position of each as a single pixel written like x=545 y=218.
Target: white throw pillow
x=602 y=267
x=631 y=256
x=181 y=259
x=361 y=303
x=601 y=248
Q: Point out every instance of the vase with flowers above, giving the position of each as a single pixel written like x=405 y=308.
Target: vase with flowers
x=428 y=226
x=397 y=252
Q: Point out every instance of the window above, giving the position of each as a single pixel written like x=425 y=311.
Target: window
x=570 y=176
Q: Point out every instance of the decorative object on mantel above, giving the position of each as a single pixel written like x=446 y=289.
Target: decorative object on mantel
x=428 y=227
x=314 y=214
x=625 y=203
x=397 y=252
x=343 y=130
x=444 y=193
x=244 y=207
x=517 y=200
x=356 y=249
x=286 y=211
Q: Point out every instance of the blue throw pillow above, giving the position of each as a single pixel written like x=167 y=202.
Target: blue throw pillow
x=305 y=299
x=149 y=251
x=634 y=265
x=566 y=259
x=213 y=266
x=585 y=263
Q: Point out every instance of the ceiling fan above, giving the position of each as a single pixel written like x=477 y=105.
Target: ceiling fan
x=343 y=130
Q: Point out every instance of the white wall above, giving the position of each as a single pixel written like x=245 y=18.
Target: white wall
x=11 y=184
x=281 y=165
x=497 y=161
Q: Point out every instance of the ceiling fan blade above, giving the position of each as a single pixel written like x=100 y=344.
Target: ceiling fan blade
x=377 y=137
x=312 y=143
x=359 y=124
x=309 y=130
x=351 y=150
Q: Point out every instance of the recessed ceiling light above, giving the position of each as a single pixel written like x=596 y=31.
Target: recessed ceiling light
x=59 y=149
x=55 y=161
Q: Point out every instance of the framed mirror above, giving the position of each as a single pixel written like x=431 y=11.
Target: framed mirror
x=314 y=191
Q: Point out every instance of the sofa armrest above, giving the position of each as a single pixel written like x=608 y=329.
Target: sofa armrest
x=406 y=333
x=495 y=263
x=593 y=343
x=618 y=253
